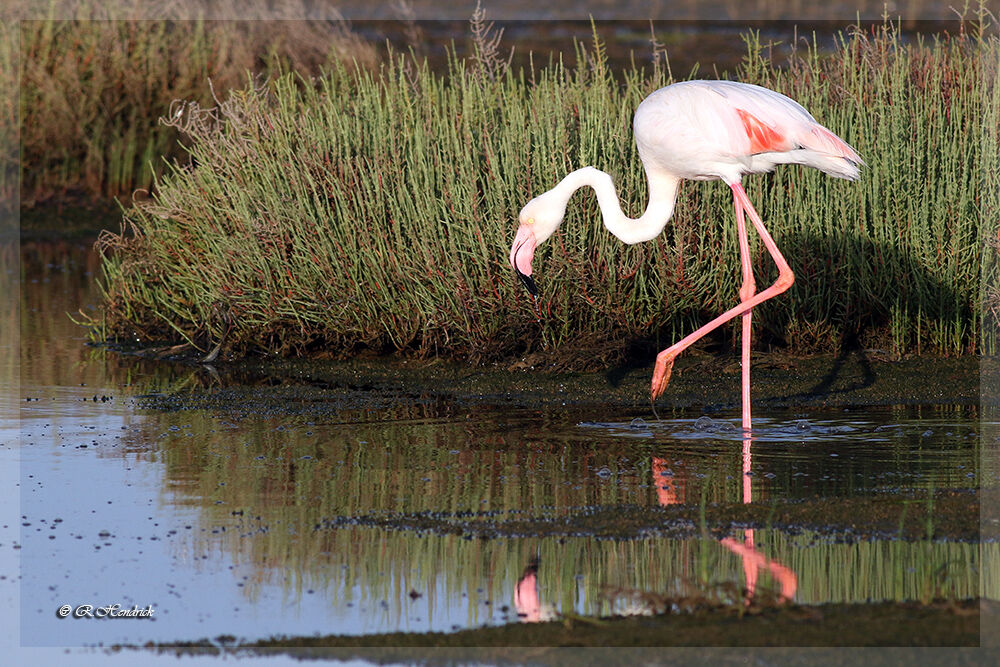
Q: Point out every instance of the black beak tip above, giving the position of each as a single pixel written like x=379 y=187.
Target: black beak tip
x=529 y=283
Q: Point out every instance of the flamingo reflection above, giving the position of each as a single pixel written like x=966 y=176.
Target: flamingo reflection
x=670 y=490
x=526 y=600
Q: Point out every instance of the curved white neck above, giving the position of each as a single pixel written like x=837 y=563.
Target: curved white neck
x=662 y=196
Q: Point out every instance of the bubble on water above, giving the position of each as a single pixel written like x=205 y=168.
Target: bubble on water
x=803 y=425
x=726 y=427
x=604 y=473
x=704 y=423
x=638 y=423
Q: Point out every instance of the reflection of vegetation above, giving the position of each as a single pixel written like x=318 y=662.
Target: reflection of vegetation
x=10 y=333
x=417 y=456
x=268 y=487
x=305 y=200
x=56 y=282
x=369 y=565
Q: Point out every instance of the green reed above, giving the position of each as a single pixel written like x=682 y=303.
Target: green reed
x=375 y=210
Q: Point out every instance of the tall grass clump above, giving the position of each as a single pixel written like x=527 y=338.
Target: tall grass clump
x=92 y=87
x=375 y=210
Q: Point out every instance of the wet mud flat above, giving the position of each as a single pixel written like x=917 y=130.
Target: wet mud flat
x=710 y=383
x=936 y=515
x=939 y=623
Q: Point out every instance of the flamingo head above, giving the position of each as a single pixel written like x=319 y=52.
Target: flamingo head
x=538 y=220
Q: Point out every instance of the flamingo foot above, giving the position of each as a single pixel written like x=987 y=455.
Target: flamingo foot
x=661 y=374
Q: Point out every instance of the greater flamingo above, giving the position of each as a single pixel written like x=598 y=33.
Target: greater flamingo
x=699 y=130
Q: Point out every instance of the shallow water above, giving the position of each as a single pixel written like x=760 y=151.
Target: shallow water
x=403 y=514
x=830 y=453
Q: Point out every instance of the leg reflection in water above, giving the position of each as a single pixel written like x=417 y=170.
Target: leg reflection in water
x=670 y=491
x=753 y=560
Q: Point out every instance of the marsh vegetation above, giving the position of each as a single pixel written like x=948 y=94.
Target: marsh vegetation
x=372 y=209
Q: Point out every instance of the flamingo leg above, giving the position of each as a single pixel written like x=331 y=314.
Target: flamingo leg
x=747 y=291
x=665 y=359
x=750 y=566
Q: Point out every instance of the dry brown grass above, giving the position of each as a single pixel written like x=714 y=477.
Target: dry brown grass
x=94 y=80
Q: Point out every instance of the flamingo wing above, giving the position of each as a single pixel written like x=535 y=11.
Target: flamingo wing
x=721 y=129
x=773 y=122
x=763 y=137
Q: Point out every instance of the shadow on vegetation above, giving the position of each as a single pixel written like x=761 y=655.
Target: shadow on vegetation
x=851 y=295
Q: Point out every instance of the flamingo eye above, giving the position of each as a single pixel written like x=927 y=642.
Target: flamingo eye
x=530 y=221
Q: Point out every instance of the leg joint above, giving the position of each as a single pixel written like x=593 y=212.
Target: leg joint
x=785 y=280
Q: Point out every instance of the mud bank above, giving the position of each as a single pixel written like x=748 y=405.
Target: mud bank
x=889 y=624
x=712 y=383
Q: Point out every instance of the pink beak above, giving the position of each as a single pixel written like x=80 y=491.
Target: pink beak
x=521 y=254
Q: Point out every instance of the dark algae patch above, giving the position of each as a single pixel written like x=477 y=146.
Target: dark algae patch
x=946 y=515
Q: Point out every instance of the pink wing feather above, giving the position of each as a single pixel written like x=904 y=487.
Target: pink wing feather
x=721 y=129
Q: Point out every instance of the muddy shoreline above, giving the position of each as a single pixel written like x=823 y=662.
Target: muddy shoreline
x=939 y=623
x=711 y=383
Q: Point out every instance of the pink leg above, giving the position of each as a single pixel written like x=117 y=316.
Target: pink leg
x=747 y=480
x=750 y=566
x=665 y=359
x=747 y=291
